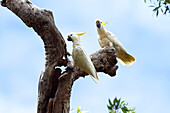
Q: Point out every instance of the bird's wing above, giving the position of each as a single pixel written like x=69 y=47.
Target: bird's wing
x=112 y=37
x=122 y=54
x=83 y=61
x=115 y=41
x=104 y=42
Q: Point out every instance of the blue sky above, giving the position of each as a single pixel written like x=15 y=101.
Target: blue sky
x=144 y=85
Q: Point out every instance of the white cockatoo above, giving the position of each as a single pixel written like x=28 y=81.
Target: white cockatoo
x=107 y=38
x=80 y=57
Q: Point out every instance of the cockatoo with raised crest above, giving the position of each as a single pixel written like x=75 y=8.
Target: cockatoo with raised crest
x=107 y=38
x=80 y=57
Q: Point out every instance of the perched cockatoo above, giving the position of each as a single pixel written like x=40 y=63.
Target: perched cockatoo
x=80 y=57
x=107 y=38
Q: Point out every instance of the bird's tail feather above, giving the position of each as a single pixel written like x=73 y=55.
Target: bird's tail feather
x=95 y=77
x=128 y=60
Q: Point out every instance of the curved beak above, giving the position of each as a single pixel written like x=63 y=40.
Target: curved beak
x=69 y=38
x=104 y=24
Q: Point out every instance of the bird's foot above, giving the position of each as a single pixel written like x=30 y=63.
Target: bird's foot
x=70 y=68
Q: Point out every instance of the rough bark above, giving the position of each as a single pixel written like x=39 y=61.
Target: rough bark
x=54 y=89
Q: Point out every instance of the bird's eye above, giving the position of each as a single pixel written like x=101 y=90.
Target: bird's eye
x=71 y=35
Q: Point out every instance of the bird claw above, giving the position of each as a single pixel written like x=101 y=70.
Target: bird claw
x=68 y=54
x=70 y=68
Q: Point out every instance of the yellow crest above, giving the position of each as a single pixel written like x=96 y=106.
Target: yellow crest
x=104 y=24
x=82 y=33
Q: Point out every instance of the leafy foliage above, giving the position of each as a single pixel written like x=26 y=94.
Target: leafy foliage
x=79 y=110
x=160 y=6
x=115 y=106
x=118 y=106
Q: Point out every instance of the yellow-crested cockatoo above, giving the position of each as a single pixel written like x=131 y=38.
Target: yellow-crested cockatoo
x=80 y=57
x=107 y=38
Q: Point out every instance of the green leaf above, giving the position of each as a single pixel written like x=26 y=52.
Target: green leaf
x=124 y=111
x=110 y=103
x=79 y=110
x=125 y=108
x=157 y=12
x=167 y=8
x=167 y=1
x=156 y=8
x=122 y=102
x=145 y=1
x=159 y=3
x=115 y=103
x=118 y=102
x=115 y=100
x=109 y=107
x=112 y=111
x=151 y=6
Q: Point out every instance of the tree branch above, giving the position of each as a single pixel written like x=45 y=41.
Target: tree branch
x=54 y=89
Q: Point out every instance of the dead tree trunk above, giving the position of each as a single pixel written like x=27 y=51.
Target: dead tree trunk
x=54 y=89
